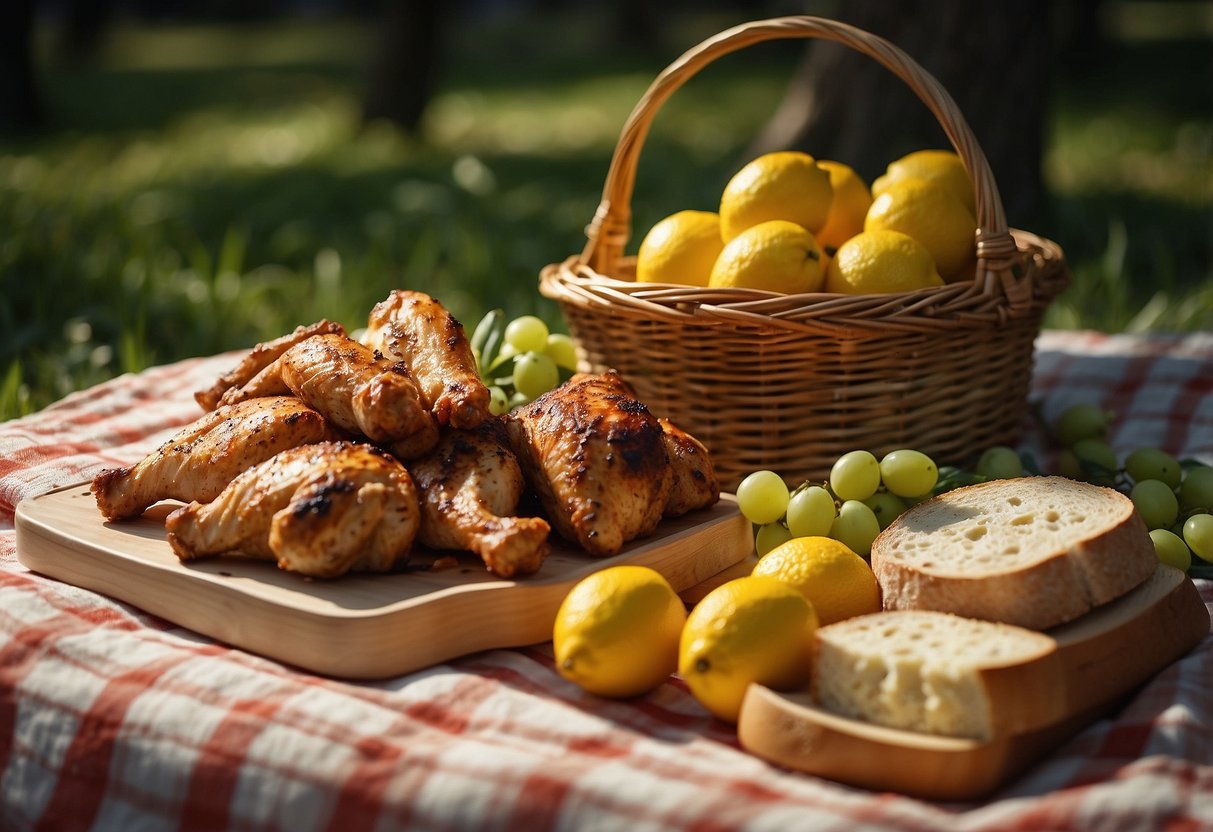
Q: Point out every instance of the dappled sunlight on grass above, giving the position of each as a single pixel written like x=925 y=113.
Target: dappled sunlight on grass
x=217 y=186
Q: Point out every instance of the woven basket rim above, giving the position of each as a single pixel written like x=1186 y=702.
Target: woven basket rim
x=1039 y=278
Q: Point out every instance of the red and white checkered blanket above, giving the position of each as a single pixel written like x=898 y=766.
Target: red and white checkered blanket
x=112 y=719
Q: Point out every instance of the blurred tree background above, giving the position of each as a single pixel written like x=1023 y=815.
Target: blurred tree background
x=182 y=178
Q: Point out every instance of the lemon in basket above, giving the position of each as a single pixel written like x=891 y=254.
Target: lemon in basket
x=940 y=166
x=777 y=255
x=838 y=582
x=616 y=632
x=785 y=185
x=850 y=205
x=680 y=249
x=751 y=629
x=933 y=216
x=873 y=262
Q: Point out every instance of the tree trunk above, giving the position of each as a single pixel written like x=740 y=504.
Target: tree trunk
x=20 y=103
x=404 y=68
x=992 y=57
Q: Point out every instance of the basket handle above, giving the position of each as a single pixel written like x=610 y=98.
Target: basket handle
x=608 y=231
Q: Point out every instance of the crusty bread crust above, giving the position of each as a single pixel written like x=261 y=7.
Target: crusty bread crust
x=1105 y=559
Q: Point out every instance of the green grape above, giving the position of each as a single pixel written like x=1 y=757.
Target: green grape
x=1198 y=534
x=560 y=348
x=1153 y=464
x=1080 y=421
x=887 y=507
x=499 y=402
x=855 y=476
x=1000 y=463
x=1155 y=503
x=1089 y=461
x=908 y=473
x=535 y=374
x=810 y=512
x=1171 y=549
x=855 y=527
x=762 y=497
x=1196 y=491
x=770 y=536
x=1069 y=466
x=527 y=334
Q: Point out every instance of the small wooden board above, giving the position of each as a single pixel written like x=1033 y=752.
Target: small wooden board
x=360 y=625
x=1102 y=657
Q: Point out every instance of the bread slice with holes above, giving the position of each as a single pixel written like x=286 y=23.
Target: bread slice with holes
x=938 y=673
x=1033 y=551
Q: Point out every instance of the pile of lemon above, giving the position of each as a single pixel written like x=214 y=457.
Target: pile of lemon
x=790 y=223
x=623 y=631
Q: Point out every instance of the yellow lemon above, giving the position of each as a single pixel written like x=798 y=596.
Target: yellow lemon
x=881 y=261
x=836 y=581
x=932 y=216
x=680 y=249
x=751 y=629
x=941 y=166
x=616 y=632
x=785 y=185
x=777 y=255
x=847 y=209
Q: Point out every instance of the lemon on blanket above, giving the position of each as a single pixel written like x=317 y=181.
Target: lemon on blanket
x=751 y=629
x=616 y=633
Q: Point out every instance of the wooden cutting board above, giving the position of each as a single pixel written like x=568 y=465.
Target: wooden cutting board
x=1101 y=658
x=357 y=626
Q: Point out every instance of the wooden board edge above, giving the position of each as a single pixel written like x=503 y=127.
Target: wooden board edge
x=369 y=645
x=790 y=732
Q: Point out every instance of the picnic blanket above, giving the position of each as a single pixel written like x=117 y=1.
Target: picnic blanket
x=114 y=719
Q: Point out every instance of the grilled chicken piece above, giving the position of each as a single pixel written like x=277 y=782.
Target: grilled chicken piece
x=695 y=482
x=205 y=456
x=414 y=328
x=320 y=510
x=259 y=358
x=470 y=484
x=597 y=459
x=356 y=389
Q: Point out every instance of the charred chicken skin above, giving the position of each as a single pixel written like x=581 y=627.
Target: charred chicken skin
x=358 y=390
x=206 y=455
x=470 y=485
x=695 y=482
x=597 y=460
x=319 y=510
x=413 y=328
x=259 y=358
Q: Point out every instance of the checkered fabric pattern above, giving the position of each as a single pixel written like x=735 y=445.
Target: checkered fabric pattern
x=113 y=719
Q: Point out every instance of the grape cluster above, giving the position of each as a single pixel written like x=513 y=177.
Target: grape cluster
x=521 y=359
x=1173 y=497
x=862 y=496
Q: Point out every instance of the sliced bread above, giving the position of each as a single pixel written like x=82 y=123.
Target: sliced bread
x=939 y=674
x=1033 y=551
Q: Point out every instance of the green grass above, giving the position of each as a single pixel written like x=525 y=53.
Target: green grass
x=216 y=186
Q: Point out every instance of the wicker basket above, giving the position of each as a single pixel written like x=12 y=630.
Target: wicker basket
x=790 y=382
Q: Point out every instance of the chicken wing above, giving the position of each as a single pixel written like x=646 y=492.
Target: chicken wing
x=203 y=457
x=414 y=328
x=357 y=390
x=469 y=485
x=259 y=358
x=695 y=483
x=320 y=510
x=597 y=459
